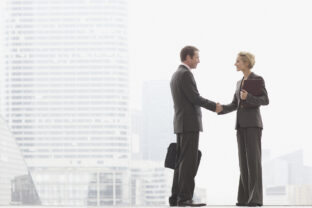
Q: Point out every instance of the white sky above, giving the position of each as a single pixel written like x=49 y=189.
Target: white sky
x=278 y=32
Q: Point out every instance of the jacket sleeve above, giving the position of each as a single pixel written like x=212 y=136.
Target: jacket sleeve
x=258 y=100
x=189 y=89
x=230 y=107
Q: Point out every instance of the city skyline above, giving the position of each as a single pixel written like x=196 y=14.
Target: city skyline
x=55 y=63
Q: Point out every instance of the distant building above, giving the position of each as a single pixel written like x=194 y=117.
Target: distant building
x=83 y=186
x=150 y=183
x=66 y=86
x=157 y=120
x=65 y=96
x=16 y=184
x=136 y=134
x=287 y=181
x=200 y=194
x=23 y=191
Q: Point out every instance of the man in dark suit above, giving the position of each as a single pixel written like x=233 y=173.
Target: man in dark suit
x=187 y=125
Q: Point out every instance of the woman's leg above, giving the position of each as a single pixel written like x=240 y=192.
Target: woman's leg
x=253 y=150
x=243 y=194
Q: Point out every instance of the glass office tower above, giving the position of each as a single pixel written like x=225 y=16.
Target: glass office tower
x=66 y=94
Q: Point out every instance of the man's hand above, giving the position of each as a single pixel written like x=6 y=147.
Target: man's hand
x=219 y=108
x=243 y=94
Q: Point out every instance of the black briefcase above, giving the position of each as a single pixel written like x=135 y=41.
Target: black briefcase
x=171 y=157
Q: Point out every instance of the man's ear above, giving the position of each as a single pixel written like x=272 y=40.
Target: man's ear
x=188 y=57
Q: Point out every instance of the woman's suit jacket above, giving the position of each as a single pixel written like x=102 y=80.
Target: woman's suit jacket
x=247 y=115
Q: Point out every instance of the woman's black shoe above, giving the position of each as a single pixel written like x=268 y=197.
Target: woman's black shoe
x=254 y=205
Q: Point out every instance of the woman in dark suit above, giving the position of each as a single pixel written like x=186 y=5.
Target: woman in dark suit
x=249 y=130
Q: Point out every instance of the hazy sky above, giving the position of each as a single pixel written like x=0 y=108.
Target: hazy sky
x=277 y=32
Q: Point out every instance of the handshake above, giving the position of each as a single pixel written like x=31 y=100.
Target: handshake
x=243 y=96
x=219 y=108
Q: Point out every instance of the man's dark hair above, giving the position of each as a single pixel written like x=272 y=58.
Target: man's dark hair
x=187 y=50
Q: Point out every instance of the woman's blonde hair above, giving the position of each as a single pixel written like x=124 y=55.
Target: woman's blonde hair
x=247 y=58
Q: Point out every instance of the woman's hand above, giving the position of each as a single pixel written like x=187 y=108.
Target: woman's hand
x=243 y=94
x=219 y=108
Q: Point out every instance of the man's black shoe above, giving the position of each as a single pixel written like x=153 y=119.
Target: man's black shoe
x=190 y=203
x=254 y=205
x=241 y=204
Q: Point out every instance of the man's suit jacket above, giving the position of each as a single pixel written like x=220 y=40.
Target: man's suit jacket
x=247 y=116
x=187 y=102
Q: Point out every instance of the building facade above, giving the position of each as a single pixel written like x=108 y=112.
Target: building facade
x=66 y=94
x=16 y=184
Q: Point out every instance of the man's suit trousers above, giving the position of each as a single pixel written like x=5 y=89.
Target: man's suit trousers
x=186 y=169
